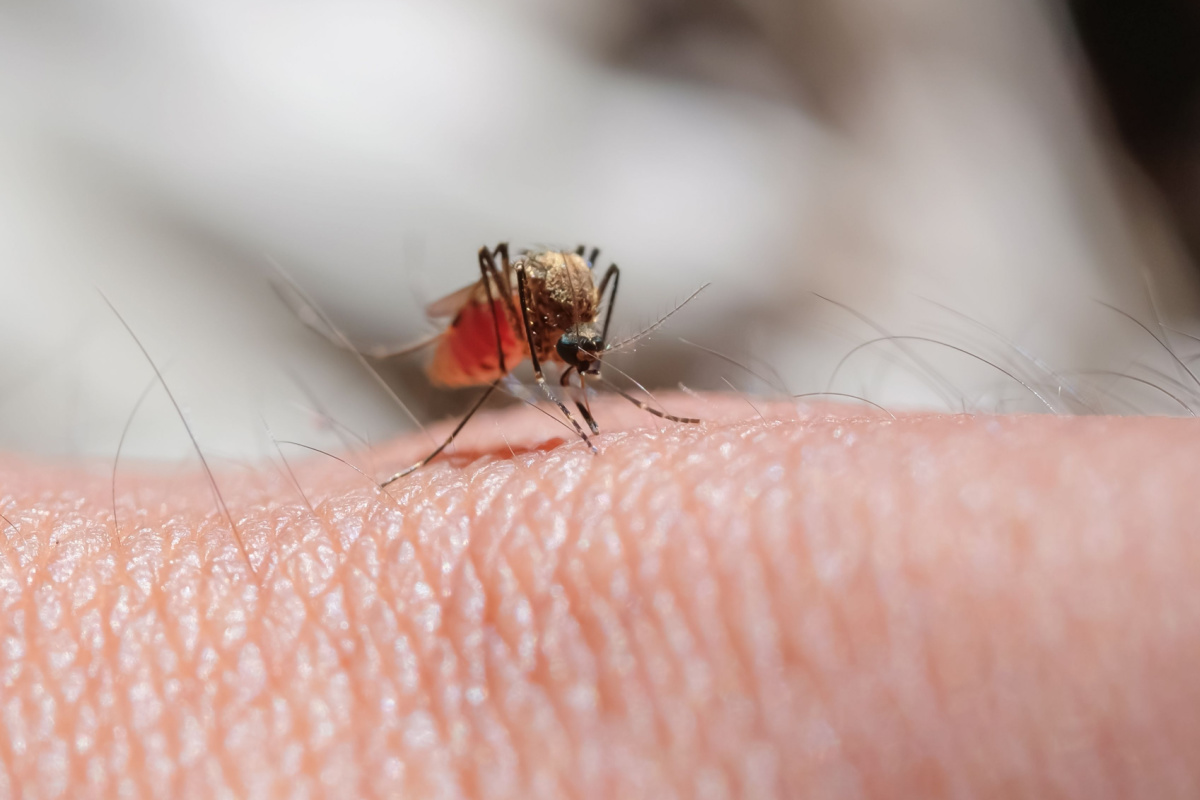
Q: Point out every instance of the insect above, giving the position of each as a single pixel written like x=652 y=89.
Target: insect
x=544 y=306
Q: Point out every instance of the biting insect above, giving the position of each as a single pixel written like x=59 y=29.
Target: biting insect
x=544 y=306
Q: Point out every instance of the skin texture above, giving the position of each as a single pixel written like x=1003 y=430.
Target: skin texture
x=799 y=601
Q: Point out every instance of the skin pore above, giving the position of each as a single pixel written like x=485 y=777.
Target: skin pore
x=811 y=601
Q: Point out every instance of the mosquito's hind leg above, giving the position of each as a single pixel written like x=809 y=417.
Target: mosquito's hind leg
x=500 y=277
x=461 y=424
x=490 y=275
x=583 y=409
x=527 y=313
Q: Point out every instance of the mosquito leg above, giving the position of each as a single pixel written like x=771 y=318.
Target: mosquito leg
x=487 y=268
x=613 y=274
x=650 y=409
x=591 y=258
x=523 y=291
x=583 y=409
x=462 y=423
x=505 y=273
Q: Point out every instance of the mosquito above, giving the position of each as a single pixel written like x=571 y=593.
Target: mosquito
x=544 y=306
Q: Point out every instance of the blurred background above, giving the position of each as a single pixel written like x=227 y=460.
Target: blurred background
x=973 y=174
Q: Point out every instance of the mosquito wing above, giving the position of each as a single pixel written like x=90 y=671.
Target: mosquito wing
x=318 y=322
x=451 y=304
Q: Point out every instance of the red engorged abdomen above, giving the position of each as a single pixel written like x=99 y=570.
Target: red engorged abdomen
x=466 y=354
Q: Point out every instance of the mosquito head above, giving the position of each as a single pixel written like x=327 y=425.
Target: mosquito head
x=581 y=348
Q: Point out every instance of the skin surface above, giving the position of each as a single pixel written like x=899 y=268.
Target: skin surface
x=820 y=601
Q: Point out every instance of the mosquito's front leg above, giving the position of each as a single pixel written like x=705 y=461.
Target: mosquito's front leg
x=611 y=274
x=527 y=313
x=583 y=409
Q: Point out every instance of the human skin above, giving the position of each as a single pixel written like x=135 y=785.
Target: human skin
x=793 y=601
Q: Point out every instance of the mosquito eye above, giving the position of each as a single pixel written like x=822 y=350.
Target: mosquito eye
x=568 y=349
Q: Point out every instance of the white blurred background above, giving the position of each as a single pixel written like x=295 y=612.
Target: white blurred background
x=945 y=168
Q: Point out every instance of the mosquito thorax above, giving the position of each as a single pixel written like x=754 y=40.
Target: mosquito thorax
x=562 y=290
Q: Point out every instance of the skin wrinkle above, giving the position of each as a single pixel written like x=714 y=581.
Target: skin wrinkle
x=311 y=608
x=603 y=620
x=432 y=688
x=167 y=624
x=312 y=612
x=524 y=583
x=437 y=654
x=637 y=692
x=369 y=595
x=215 y=531
x=158 y=604
x=111 y=649
x=497 y=565
x=344 y=649
x=668 y=496
x=956 y=655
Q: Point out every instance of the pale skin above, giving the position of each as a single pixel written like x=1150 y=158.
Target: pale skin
x=822 y=603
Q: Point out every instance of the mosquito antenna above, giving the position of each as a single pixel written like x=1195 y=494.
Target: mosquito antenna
x=844 y=394
x=957 y=349
x=924 y=365
x=744 y=396
x=212 y=480
x=735 y=363
x=121 y=445
x=621 y=345
x=1144 y=382
x=1152 y=335
x=374 y=373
